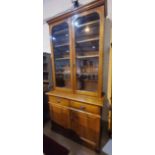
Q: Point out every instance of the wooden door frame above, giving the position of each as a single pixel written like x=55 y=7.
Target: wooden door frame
x=100 y=11
x=52 y=56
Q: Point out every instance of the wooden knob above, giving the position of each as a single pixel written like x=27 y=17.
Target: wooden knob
x=58 y=100
x=82 y=107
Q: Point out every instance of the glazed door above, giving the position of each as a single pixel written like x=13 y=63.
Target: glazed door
x=88 y=51
x=61 y=55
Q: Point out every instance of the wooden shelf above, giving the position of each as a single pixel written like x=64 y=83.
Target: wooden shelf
x=61 y=31
x=83 y=35
x=89 y=73
x=87 y=56
x=87 y=40
x=62 y=58
x=63 y=73
x=88 y=23
x=66 y=44
x=90 y=80
x=45 y=81
x=45 y=71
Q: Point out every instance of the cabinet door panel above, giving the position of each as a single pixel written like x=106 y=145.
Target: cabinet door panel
x=93 y=130
x=56 y=114
x=79 y=123
x=65 y=118
x=60 y=115
x=87 y=126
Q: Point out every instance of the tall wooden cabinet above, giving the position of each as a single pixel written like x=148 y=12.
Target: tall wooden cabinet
x=77 y=39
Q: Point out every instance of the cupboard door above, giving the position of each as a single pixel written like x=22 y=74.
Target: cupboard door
x=60 y=115
x=93 y=130
x=86 y=39
x=86 y=125
x=79 y=123
x=61 y=53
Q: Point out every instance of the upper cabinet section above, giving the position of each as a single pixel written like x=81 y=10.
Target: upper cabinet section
x=87 y=51
x=61 y=53
x=77 y=39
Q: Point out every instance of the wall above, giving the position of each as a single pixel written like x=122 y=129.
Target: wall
x=53 y=7
x=46 y=39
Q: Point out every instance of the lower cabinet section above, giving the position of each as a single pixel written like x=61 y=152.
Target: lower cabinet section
x=85 y=124
x=60 y=115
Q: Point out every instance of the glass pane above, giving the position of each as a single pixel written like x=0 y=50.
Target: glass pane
x=87 y=51
x=60 y=39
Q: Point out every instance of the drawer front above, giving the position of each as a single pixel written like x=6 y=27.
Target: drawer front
x=85 y=107
x=59 y=100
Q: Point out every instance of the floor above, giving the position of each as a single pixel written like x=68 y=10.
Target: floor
x=75 y=148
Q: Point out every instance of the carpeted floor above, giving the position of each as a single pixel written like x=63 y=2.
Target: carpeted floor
x=51 y=147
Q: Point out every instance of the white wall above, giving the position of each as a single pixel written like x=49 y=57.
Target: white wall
x=46 y=41
x=53 y=7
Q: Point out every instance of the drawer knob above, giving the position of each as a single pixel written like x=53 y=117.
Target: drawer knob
x=82 y=107
x=58 y=100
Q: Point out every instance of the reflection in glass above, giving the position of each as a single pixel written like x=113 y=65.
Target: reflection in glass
x=60 y=40
x=87 y=51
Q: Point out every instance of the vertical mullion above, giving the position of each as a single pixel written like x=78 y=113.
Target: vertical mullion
x=70 y=53
x=52 y=59
x=101 y=51
x=73 y=55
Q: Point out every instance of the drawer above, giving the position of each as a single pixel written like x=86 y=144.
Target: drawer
x=58 y=100
x=85 y=107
